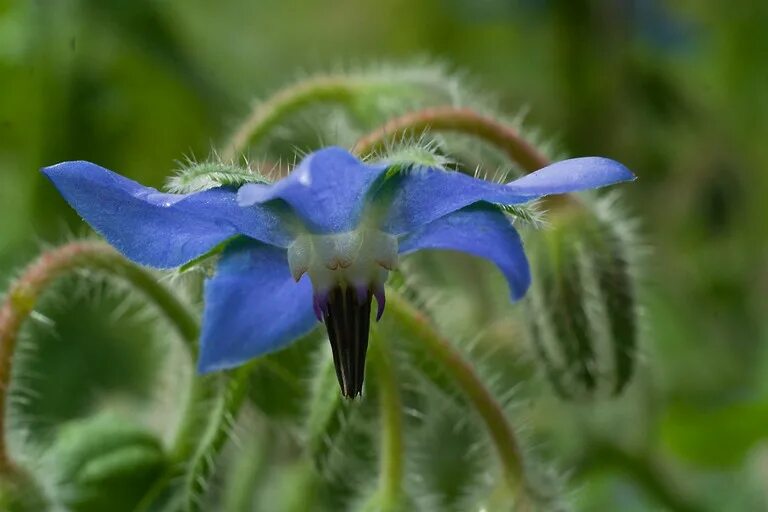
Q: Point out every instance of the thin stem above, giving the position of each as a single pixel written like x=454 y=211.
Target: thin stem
x=413 y=322
x=321 y=89
x=249 y=469
x=202 y=460
x=392 y=449
x=24 y=292
x=463 y=120
x=212 y=406
x=228 y=400
x=351 y=90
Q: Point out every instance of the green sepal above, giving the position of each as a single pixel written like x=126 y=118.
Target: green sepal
x=196 y=177
x=406 y=155
x=203 y=258
x=527 y=213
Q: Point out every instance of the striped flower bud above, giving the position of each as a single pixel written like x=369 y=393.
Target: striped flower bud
x=583 y=317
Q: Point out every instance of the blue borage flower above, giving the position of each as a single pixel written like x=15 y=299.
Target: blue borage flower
x=316 y=245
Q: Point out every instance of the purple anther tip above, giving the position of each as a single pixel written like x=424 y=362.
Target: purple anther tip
x=381 y=300
x=320 y=305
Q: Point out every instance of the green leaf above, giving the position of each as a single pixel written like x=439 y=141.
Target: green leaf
x=716 y=437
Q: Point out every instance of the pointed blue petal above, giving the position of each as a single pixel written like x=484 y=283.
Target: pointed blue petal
x=327 y=190
x=481 y=231
x=252 y=306
x=421 y=195
x=571 y=176
x=157 y=229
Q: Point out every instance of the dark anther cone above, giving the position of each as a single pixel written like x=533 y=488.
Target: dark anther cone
x=347 y=319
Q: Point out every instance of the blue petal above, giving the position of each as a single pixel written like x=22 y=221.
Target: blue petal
x=327 y=191
x=421 y=195
x=252 y=306
x=157 y=229
x=482 y=231
x=571 y=176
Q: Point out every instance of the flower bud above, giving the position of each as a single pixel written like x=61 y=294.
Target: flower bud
x=105 y=463
x=583 y=314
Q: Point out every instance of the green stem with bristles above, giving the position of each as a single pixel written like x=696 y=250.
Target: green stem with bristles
x=391 y=407
x=412 y=323
x=322 y=89
x=200 y=462
x=457 y=119
x=211 y=408
x=24 y=292
x=337 y=89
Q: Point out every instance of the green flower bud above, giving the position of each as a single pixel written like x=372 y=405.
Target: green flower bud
x=105 y=463
x=583 y=313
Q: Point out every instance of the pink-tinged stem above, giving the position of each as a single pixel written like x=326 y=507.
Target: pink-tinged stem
x=463 y=120
x=24 y=292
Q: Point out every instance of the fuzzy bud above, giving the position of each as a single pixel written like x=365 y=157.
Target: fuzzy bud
x=583 y=313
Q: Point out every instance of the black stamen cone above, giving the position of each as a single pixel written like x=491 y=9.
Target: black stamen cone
x=347 y=320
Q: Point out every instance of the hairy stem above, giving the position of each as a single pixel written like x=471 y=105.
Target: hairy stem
x=341 y=89
x=265 y=115
x=212 y=406
x=456 y=119
x=24 y=292
x=222 y=412
x=417 y=326
x=392 y=449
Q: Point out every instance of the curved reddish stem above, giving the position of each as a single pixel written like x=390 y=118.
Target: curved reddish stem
x=463 y=120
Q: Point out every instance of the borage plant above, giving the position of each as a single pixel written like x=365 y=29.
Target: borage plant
x=318 y=243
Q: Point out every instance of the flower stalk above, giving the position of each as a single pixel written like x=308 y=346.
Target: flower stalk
x=392 y=448
x=349 y=90
x=24 y=293
x=201 y=463
x=413 y=323
x=265 y=115
x=456 y=119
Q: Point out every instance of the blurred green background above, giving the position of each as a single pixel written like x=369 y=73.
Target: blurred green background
x=678 y=91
